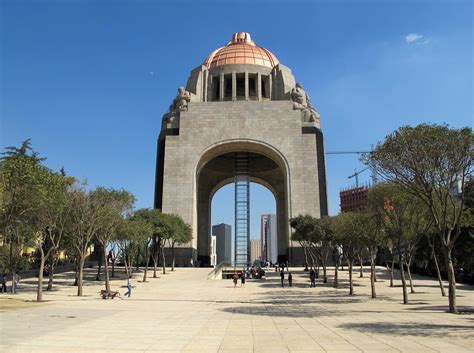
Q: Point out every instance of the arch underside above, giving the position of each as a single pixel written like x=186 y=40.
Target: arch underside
x=216 y=170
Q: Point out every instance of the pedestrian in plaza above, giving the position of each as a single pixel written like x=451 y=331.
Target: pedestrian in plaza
x=191 y=262
x=129 y=287
x=15 y=282
x=312 y=277
x=4 y=283
x=235 y=277
x=290 y=279
x=282 y=277
x=242 y=280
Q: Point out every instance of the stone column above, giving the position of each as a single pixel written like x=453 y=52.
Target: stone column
x=234 y=86
x=246 y=85
x=259 y=86
x=205 y=86
x=222 y=87
x=269 y=92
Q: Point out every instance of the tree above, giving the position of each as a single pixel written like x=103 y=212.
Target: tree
x=19 y=180
x=431 y=162
x=181 y=233
x=160 y=231
x=349 y=227
x=404 y=221
x=83 y=227
x=52 y=212
x=130 y=236
x=114 y=205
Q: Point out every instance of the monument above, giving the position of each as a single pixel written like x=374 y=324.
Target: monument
x=241 y=118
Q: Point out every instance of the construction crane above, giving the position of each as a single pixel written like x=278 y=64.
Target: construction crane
x=356 y=174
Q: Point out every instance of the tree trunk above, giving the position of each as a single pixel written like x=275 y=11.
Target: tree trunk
x=412 y=289
x=452 y=280
x=76 y=275
x=106 y=270
x=97 y=278
x=147 y=260
x=173 y=260
x=438 y=272
x=80 y=276
x=351 y=285
x=390 y=271
x=336 y=279
x=325 y=276
x=39 y=293
x=402 y=276
x=372 y=277
x=50 y=275
x=163 y=258
x=155 y=264
x=361 y=270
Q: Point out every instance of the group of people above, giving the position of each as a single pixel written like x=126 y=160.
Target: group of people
x=236 y=276
x=312 y=277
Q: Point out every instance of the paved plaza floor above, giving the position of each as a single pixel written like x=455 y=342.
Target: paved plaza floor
x=184 y=312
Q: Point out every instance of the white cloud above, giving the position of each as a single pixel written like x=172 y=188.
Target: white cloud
x=413 y=37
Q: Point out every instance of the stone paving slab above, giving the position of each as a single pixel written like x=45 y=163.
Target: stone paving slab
x=184 y=312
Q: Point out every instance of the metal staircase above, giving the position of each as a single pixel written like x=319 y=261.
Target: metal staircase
x=242 y=209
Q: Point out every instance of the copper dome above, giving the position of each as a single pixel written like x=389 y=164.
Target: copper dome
x=241 y=50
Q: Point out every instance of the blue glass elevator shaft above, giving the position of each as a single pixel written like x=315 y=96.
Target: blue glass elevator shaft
x=242 y=210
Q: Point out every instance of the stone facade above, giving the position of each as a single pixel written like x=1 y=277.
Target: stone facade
x=287 y=152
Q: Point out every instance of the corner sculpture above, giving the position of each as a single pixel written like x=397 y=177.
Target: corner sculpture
x=302 y=102
x=180 y=103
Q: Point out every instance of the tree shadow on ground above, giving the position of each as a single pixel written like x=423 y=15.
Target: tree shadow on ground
x=412 y=329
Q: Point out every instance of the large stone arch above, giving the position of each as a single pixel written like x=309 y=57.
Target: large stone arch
x=267 y=167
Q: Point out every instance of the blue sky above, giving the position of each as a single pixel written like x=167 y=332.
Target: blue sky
x=88 y=81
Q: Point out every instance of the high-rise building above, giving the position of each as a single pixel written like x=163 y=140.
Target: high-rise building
x=269 y=238
x=255 y=249
x=213 y=250
x=223 y=234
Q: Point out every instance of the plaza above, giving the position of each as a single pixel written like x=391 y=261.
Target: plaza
x=183 y=311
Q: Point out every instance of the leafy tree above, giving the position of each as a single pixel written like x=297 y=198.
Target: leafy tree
x=404 y=221
x=374 y=236
x=430 y=162
x=160 y=232
x=349 y=227
x=113 y=206
x=181 y=233
x=52 y=212
x=20 y=169
x=82 y=228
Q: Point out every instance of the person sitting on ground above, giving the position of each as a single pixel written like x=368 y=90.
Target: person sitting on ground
x=109 y=295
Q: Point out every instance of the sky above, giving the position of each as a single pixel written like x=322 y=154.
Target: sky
x=88 y=81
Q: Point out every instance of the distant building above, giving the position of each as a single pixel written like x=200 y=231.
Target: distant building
x=213 y=250
x=355 y=199
x=255 y=250
x=269 y=238
x=223 y=234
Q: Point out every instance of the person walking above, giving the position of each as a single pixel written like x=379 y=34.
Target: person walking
x=235 y=277
x=129 y=287
x=15 y=282
x=242 y=279
x=282 y=277
x=290 y=279
x=312 y=277
x=4 y=283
